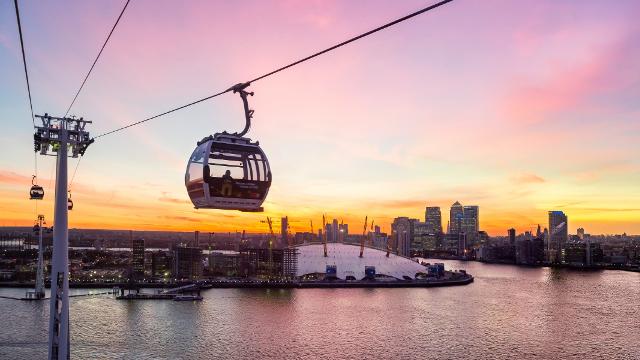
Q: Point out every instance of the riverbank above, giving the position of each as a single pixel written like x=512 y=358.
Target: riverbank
x=545 y=265
x=458 y=279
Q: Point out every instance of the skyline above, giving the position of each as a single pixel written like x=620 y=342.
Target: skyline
x=550 y=124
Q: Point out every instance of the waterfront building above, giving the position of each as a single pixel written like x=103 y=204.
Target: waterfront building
x=420 y=235
x=137 y=261
x=455 y=218
x=470 y=223
x=402 y=230
x=558 y=235
x=529 y=251
x=284 y=232
x=160 y=264
x=226 y=264
x=335 y=231
x=187 y=262
x=433 y=219
x=512 y=236
x=344 y=262
x=262 y=263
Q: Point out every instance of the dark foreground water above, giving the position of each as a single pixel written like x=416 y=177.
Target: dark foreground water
x=508 y=313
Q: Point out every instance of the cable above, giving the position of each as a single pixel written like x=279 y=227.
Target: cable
x=428 y=8
x=74 y=172
x=354 y=39
x=97 y=57
x=24 y=62
x=164 y=113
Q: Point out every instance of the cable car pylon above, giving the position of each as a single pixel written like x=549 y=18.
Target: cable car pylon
x=56 y=137
x=38 y=292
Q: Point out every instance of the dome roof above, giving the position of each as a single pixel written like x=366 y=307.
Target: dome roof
x=346 y=258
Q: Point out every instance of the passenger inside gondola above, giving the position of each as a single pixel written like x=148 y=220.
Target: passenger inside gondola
x=227 y=184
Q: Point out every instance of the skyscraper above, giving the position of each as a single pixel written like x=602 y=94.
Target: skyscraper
x=558 y=235
x=433 y=219
x=334 y=231
x=137 y=261
x=455 y=218
x=284 y=232
x=512 y=236
x=470 y=223
x=402 y=230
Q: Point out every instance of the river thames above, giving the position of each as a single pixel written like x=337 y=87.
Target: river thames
x=508 y=312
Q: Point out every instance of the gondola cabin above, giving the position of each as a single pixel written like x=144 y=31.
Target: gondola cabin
x=36 y=192
x=229 y=172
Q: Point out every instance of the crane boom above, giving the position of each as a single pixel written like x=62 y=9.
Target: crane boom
x=271 y=240
x=364 y=230
x=324 y=234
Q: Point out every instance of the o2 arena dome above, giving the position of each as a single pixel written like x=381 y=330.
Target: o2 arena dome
x=344 y=262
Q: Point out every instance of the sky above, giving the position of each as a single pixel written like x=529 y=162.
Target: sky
x=519 y=107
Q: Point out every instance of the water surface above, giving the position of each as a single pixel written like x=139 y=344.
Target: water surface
x=508 y=312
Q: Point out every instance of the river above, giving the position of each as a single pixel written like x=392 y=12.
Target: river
x=509 y=312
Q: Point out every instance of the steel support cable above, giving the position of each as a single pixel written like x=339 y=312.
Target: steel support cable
x=75 y=170
x=26 y=76
x=97 y=57
x=404 y=18
x=24 y=62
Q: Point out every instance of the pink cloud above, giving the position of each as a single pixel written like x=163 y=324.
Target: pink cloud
x=570 y=85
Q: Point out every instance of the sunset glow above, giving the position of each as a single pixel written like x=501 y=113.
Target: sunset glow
x=526 y=108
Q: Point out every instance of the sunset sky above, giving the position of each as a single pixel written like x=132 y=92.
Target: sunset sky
x=519 y=107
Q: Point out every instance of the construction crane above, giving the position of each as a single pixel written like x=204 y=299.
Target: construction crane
x=271 y=240
x=371 y=238
x=324 y=234
x=388 y=245
x=364 y=231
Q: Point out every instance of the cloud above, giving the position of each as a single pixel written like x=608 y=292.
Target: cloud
x=181 y=218
x=172 y=200
x=11 y=178
x=527 y=179
x=571 y=84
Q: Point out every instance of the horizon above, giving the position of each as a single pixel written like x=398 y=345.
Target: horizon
x=538 y=115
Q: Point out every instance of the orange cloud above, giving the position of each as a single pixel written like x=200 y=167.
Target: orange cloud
x=527 y=179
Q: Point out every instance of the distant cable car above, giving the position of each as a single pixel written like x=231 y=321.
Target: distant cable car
x=36 y=192
x=69 y=202
x=229 y=171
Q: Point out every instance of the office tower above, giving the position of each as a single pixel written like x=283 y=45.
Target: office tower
x=402 y=230
x=160 y=264
x=334 y=231
x=137 y=262
x=433 y=219
x=187 y=263
x=455 y=218
x=470 y=223
x=558 y=235
x=196 y=242
x=538 y=232
x=581 y=233
x=284 y=232
x=512 y=236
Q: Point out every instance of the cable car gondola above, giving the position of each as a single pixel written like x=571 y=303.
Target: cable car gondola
x=36 y=192
x=69 y=202
x=229 y=171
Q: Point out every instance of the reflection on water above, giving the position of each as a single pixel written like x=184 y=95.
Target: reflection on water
x=508 y=312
